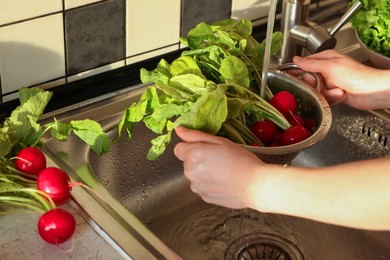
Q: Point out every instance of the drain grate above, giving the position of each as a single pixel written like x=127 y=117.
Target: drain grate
x=262 y=247
x=262 y=251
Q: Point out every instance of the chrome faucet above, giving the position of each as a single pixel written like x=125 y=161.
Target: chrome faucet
x=301 y=34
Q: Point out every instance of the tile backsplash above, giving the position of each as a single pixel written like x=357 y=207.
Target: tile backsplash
x=48 y=43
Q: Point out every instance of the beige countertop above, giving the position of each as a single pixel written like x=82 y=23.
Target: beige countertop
x=20 y=240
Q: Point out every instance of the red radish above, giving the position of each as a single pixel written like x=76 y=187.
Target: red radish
x=56 y=226
x=284 y=102
x=294 y=135
x=56 y=183
x=265 y=131
x=310 y=124
x=277 y=138
x=30 y=160
x=294 y=119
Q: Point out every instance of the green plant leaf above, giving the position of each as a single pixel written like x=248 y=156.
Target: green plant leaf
x=207 y=113
x=185 y=65
x=91 y=133
x=159 y=144
x=22 y=123
x=59 y=130
x=197 y=35
x=160 y=74
x=234 y=70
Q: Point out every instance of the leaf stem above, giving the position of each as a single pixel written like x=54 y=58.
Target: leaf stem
x=22 y=202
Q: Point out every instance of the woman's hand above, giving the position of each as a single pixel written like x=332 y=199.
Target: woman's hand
x=220 y=171
x=349 y=81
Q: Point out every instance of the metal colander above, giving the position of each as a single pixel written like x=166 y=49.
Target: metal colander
x=310 y=104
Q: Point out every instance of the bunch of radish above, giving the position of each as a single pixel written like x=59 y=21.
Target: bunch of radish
x=271 y=135
x=56 y=225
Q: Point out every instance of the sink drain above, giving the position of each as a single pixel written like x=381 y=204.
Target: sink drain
x=262 y=247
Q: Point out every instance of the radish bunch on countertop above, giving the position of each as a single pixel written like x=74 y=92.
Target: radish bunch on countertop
x=26 y=182
x=56 y=225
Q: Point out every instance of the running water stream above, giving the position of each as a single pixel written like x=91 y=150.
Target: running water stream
x=268 y=40
x=270 y=27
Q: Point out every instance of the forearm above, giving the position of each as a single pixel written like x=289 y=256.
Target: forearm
x=355 y=194
x=372 y=90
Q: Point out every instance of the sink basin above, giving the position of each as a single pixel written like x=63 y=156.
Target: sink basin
x=148 y=209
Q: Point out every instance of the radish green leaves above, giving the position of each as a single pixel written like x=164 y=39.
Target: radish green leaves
x=22 y=129
x=212 y=87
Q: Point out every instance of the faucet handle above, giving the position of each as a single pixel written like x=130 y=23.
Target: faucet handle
x=319 y=39
x=345 y=18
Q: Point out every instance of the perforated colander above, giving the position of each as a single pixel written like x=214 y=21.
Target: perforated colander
x=310 y=104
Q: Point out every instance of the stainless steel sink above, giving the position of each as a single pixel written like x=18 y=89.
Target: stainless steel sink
x=148 y=208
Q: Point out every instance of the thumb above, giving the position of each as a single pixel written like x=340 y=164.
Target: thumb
x=193 y=136
x=309 y=65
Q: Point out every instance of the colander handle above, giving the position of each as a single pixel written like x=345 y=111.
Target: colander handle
x=311 y=78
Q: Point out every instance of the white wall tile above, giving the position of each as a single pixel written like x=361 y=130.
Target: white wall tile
x=16 y=10
x=151 y=25
x=250 y=9
x=76 y=3
x=32 y=52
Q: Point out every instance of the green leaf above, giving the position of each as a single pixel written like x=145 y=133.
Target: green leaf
x=169 y=110
x=91 y=133
x=236 y=106
x=160 y=74
x=189 y=83
x=276 y=44
x=234 y=70
x=174 y=92
x=154 y=124
x=243 y=27
x=59 y=131
x=200 y=33
x=21 y=125
x=5 y=144
x=159 y=144
x=26 y=93
x=148 y=101
x=207 y=113
x=126 y=124
x=185 y=65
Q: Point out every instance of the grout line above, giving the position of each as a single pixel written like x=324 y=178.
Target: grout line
x=30 y=19
x=125 y=29
x=87 y=5
x=157 y=49
x=65 y=45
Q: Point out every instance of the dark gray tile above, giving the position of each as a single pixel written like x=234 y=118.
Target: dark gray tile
x=95 y=35
x=194 y=12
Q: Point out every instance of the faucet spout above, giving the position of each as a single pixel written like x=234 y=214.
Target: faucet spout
x=300 y=33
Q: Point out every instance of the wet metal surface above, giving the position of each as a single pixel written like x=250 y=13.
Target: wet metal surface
x=154 y=204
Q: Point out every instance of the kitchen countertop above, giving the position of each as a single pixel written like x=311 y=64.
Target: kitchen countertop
x=20 y=239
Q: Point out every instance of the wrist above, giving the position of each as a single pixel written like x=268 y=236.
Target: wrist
x=265 y=188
